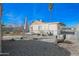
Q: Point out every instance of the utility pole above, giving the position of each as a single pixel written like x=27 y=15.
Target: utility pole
x=0 y=27
x=1 y=33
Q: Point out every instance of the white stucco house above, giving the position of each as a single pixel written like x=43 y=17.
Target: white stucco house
x=38 y=27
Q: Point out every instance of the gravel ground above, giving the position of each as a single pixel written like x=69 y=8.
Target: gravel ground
x=33 y=48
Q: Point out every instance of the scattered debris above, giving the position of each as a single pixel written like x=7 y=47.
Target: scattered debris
x=21 y=38
x=12 y=39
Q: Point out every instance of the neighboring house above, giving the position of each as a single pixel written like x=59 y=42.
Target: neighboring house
x=38 y=27
x=77 y=27
x=77 y=31
x=68 y=30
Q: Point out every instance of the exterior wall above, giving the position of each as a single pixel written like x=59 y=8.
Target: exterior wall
x=34 y=29
x=53 y=28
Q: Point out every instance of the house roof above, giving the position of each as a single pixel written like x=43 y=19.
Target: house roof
x=38 y=22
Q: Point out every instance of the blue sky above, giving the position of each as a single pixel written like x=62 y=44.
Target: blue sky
x=15 y=13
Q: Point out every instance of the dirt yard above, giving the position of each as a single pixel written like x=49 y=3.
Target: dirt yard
x=72 y=48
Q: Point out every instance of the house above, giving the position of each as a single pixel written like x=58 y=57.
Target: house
x=38 y=27
x=77 y=31
x=68 y=30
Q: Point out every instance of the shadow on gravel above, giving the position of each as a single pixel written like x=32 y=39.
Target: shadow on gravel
x=33 y=48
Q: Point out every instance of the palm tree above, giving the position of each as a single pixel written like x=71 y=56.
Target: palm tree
x=50 y=7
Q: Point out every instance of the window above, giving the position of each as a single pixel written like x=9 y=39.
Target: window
x=39 y=27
